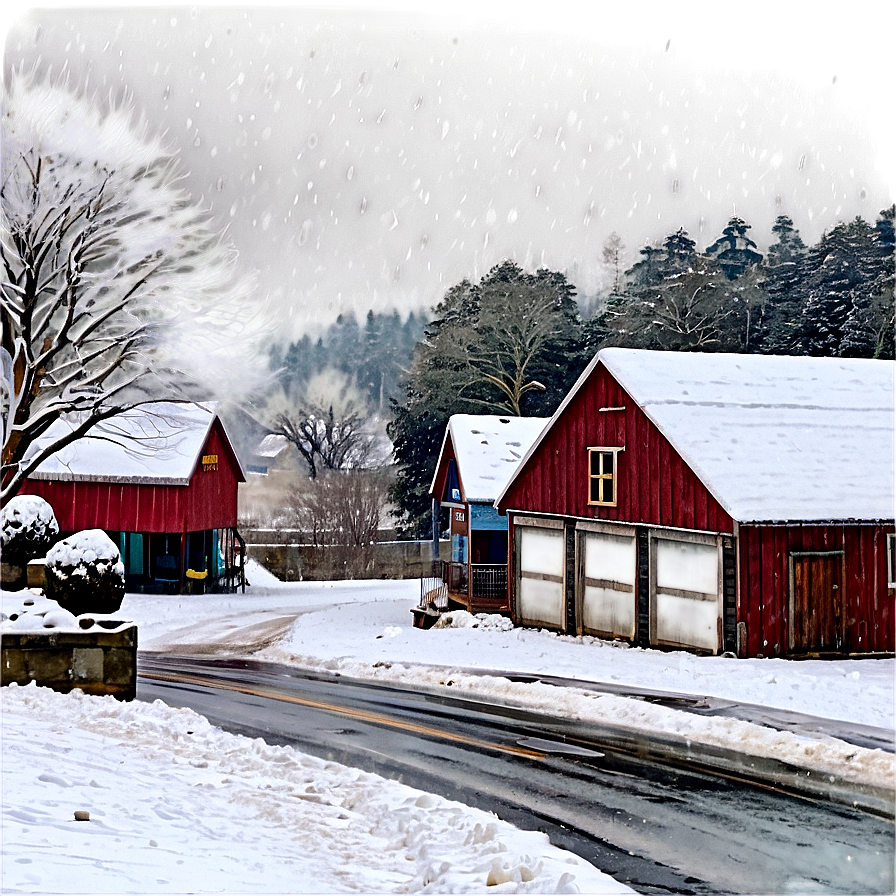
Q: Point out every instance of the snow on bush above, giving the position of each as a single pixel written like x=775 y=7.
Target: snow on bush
x=28 y=528
x=485 y=621
x=85 y=573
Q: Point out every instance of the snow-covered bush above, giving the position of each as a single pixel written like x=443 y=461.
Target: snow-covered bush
x=463 y=619
x=85 y=573
x=28 y=528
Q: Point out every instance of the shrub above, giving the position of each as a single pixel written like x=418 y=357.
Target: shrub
x=85 y=573
x=28 y=528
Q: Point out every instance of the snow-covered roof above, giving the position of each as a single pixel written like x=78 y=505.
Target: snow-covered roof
x=488 y=450
x=158 y=443
x=773 y=438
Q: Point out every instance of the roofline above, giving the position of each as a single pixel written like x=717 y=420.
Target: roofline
x=795 y=521
x=89 y=477
x=435 y=472
x=227 y=439
x=583 y=376
x=211 y=407
x=580 y=382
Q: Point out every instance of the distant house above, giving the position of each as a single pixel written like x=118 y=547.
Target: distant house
x=478 y=455
x=162 y=481
x=713 y=502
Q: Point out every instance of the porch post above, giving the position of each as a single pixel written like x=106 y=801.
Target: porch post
x=436 y=508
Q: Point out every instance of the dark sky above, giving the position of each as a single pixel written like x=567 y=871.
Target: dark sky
x=362 y=159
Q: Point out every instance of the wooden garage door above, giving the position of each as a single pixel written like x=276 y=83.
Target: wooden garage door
x=815 y=602
x=541 y=562
x=685 y=590
x=607 y=574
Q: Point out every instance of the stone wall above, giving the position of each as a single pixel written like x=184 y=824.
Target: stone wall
x=292 y=562
x=97 y=662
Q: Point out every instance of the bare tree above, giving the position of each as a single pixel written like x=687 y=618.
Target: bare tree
x=612 y=257
x=502 y=336
x=342 y=507
x=327 y=422
x=116 y=290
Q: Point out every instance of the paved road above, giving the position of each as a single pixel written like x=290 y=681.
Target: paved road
x=657 y=821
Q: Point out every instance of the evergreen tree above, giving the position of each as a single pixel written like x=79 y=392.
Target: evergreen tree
x=734 y=250
x=784 y=269
x=512 y=344
x=842 y=267
x=868 y=331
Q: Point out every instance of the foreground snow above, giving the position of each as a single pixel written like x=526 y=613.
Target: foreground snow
x=179 y=806
x=363 y=629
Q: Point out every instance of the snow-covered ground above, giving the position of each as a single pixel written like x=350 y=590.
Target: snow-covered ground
x=177 y=805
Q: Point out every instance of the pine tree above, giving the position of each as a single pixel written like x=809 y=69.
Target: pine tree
x=784 y=273
x=734 y=250
x=510 y=344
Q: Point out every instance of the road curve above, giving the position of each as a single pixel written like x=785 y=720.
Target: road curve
x=657 y=822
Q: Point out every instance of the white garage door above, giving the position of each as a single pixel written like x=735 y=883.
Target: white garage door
x=607 y=584
x=542 y=561
x=685 y=592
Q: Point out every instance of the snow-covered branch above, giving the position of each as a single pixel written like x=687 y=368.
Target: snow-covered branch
x=115 y=287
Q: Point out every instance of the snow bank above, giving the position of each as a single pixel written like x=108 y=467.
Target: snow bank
x=177 y=805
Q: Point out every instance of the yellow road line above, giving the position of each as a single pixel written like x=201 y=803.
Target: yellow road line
x=359 y=714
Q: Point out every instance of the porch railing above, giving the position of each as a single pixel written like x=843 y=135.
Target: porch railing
x=433 y=590
x=490 y=580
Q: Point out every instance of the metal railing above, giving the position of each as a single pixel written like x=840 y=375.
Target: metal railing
x=433 y=589
x=490 y=580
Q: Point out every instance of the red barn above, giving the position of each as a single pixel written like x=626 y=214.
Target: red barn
x=162 y=481
x=714 y=502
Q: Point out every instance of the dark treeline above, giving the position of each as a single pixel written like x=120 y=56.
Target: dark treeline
x=514 y=342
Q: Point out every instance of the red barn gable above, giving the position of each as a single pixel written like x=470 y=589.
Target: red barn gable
x=162 y=478
x=712 y=501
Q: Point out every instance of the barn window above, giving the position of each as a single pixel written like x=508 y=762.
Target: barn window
x=891 y=560
x=602 y=476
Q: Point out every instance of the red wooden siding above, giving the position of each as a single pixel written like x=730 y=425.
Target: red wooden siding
x=867 y=605
x=208 y=502
x=441 y=475
x=654 y=485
